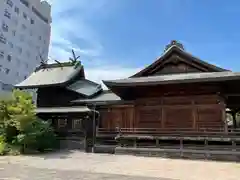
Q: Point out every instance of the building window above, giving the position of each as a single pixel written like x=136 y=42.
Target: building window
x=32 y=21
x=30 y=43
x=16 y=9
x=4 y=27
x=24 y=26
x=1 y=54
x=24 y=15
x=7 y=14
x=14 y=33
x=77 y=124
x=18 y=61
x=24 y=2
x=28 y=54
x=22 y=37
x=9 y=58
x=7 y=87
x=10 y=3
x=19 y=50
x=10 y=44
x=62 y=123
x=15 y=21
x=2 y=39
x=7 y=70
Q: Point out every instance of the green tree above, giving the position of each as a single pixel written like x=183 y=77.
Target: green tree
x=20 y=126
x=16 y=112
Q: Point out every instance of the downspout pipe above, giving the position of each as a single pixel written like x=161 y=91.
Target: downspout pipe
x=93 y=109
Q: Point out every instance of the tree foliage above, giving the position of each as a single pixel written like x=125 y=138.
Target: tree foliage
x=19 y=125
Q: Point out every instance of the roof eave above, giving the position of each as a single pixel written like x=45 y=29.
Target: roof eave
x=111 y=84
x=39 y=86
x=49 y=85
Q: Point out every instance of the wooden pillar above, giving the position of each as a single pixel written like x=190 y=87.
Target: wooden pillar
x=224 y=117
x=222 y=101
x=157 y=143
x=181 y=147
x=163 y=118
x=206 y=148
x=162 y=114
x=234 y=116
x=194 y=113
x=233 y=145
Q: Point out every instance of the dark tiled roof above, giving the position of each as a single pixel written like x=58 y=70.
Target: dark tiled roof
x=85 y=87
x=176 y=78
x=106 y=96
x=62 y=109
x=52 y=75
x=175 y=48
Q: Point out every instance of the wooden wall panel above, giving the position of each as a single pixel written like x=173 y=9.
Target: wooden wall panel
x=114 y=117
x=105 y=119
x=209 y=118
x=148 y=117
x=177 y=101
x=178 y=117
x=172 y=68
x=167 y=112
x=127 y=117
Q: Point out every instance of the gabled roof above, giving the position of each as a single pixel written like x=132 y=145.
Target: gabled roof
x=175 y=79
x=105 y=97
x=175 y=48
x=52 y=74
x=85 y=87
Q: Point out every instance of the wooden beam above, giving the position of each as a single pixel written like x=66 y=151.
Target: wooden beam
x=121 y=106
x=232 y=95
x=194 y=113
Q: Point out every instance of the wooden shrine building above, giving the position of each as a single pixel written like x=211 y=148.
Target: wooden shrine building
x=177 y=91
x=177 y=95
x=57 y=85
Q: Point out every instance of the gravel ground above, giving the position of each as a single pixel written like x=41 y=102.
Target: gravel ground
x=78 y=165
x=28 y=173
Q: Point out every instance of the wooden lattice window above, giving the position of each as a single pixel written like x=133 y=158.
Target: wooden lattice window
x=77 y=124
x=62 y=123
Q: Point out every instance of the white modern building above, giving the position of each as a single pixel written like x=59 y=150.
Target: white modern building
x=25 y=28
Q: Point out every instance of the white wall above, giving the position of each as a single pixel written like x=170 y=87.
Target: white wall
x=29 y=40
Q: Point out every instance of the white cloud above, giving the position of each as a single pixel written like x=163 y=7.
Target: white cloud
x=109 y=73
x=69 y=28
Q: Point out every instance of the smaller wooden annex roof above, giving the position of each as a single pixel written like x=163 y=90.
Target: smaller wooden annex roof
x=106 y=97
x=51 y=75
x=66 y=75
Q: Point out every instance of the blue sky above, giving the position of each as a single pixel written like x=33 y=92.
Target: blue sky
x=116 y=38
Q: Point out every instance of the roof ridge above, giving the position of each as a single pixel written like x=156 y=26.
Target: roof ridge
x=176 y=47
x=55 y=65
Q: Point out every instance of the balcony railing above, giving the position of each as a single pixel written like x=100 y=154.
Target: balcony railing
x=172 y=131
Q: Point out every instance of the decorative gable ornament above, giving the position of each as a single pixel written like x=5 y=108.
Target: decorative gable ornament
x=74 y=60
x=174 y=43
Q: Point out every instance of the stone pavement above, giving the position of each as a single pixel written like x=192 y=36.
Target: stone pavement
x=78 y=165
